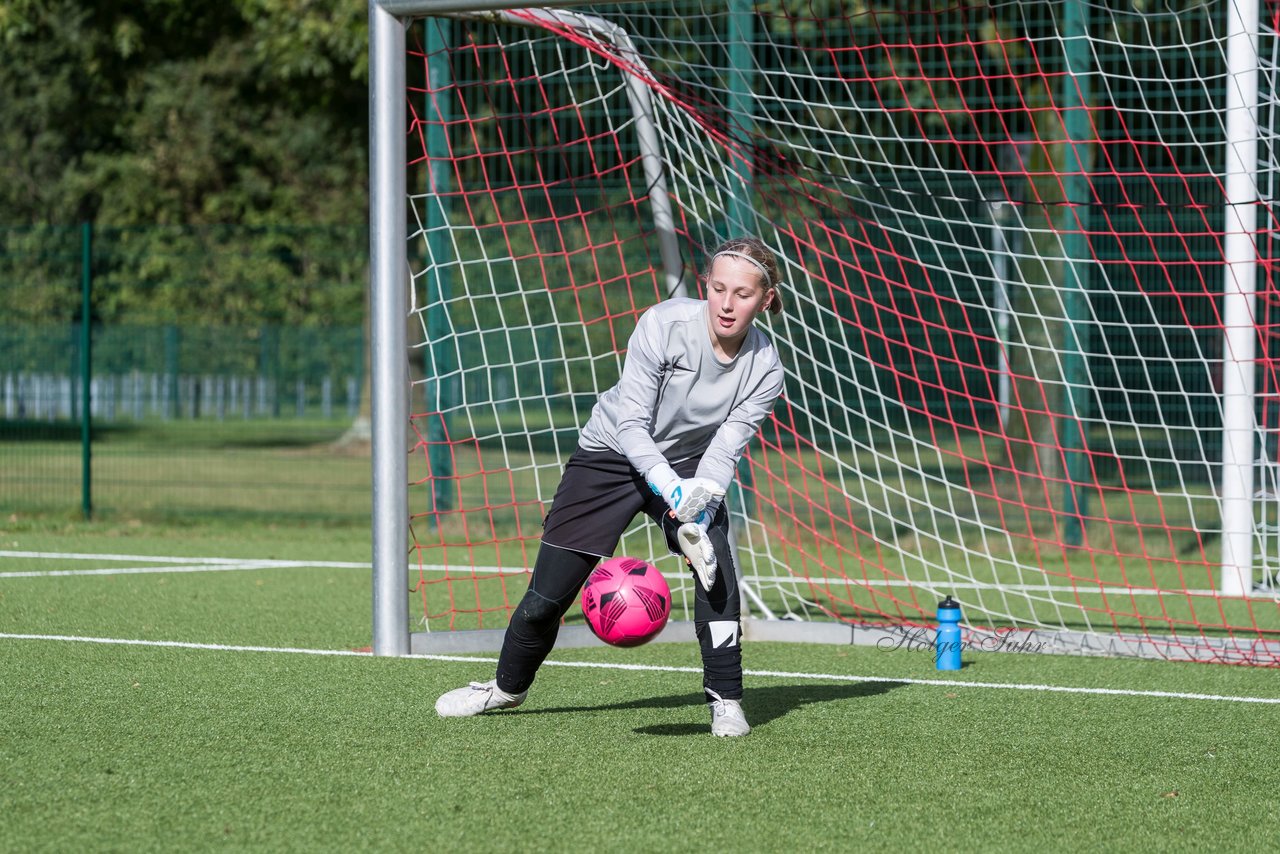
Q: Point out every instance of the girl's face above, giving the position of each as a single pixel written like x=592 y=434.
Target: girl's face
x=735 y=295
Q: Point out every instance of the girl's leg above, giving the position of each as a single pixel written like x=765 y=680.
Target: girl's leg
x=717 y=617
x=598 y=496
x=558 y=575
x=716 y=613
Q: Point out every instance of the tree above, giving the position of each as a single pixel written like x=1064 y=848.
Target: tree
x=160 y=112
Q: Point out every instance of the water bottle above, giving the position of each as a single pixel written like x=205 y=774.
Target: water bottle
x=947 y=643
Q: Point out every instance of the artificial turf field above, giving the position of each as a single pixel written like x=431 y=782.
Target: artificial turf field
x=186 y=704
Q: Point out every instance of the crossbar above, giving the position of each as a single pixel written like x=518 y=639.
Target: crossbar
x=422 y=8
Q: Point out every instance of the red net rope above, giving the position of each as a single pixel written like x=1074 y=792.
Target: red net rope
x=1051 y=458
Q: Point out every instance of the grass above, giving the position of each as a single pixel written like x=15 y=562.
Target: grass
x=166 y=470
x=189 y=750
x=149 y=748
x=928 y=520
x=115 y=746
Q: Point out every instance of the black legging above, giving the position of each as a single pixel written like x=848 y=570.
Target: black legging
x=558 y=576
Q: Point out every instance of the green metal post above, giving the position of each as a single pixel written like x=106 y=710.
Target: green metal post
x=171 y=345
x=439 y=362
x=1075 y=98
x=741 y=213
x=269 y=365
x=741 y=105
x=86 y=371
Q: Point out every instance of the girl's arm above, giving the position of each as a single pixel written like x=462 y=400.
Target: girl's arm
x=720 y=461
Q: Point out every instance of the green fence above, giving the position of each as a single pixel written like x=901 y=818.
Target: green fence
x=222 y=369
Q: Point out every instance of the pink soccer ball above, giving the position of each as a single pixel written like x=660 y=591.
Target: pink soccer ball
x=626 y=601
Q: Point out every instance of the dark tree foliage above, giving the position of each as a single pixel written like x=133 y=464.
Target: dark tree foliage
x=238 y=128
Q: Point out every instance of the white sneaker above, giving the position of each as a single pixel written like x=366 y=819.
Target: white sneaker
x=476 y=698
x=727 y=718
x=696 y=545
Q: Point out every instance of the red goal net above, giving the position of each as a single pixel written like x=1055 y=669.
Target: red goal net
x=1011 y=370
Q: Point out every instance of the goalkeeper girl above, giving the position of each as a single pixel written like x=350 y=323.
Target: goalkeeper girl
x=698 y=380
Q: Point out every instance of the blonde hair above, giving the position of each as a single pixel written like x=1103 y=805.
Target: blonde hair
x=754 y=250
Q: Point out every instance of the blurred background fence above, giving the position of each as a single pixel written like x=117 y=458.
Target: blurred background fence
x=224 y=368
x=167 y=372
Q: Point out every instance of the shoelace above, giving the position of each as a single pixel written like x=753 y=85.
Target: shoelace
x=481 y=688
x=719 y=707
x=490 y=691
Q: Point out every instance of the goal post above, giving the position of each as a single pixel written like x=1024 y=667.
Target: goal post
x=388 y=304
x=1239 y=311
x=1029 y=271
x=388 y=298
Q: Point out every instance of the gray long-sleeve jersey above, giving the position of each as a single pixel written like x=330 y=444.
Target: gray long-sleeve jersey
x=677 y=401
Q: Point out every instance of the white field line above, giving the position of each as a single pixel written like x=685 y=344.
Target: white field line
x=178 y=560
x=146 y=570
x=1084 y=588
x=205 y=564
x=654 y=668
x=225 y=564
x=163 y=564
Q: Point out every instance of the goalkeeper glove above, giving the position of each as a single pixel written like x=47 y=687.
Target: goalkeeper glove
x=698 y=552
x=687 y=497
x=704 y=518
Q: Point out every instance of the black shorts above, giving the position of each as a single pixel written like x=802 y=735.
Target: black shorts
x=599 y=495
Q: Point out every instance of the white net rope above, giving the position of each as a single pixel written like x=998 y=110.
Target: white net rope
x=1000 y=229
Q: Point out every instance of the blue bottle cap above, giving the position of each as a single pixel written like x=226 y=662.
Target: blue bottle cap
x=948 y=603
